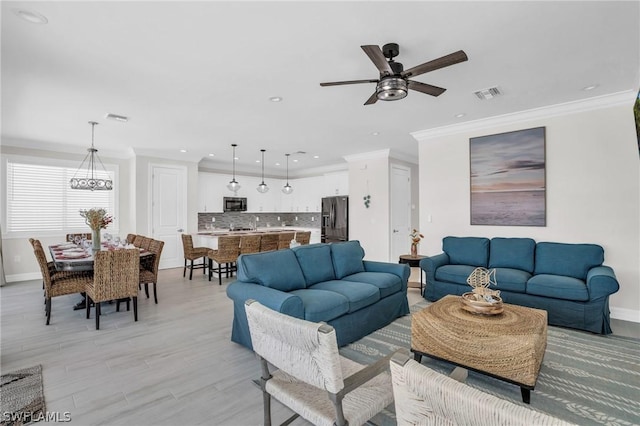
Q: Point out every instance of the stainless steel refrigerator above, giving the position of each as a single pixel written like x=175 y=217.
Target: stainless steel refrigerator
x=335 y=219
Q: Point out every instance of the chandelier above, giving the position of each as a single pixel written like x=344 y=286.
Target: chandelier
x=262 y=188
x=91 y=181
x=288 y=189
x=234 y=185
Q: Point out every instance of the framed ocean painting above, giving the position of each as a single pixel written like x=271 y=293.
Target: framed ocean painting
x=508 y=185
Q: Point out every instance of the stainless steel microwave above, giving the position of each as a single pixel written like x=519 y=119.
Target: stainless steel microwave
x=234 y=204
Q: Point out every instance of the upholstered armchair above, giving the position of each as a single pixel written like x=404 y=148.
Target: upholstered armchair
x=312 y=378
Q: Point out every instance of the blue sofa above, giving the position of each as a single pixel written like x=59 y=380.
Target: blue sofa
x=321 y=282
x=569 y=281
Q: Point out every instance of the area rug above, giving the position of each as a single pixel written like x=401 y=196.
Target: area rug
x=585 y=379
x=21 y=397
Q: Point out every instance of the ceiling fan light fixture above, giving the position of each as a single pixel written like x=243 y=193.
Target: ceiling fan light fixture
x=391 y=89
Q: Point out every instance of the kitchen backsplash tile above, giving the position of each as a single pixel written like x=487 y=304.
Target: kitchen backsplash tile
x=248 y=220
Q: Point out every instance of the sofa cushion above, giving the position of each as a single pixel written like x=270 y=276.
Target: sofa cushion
x=515 y=253
x=508 y=279
x=347 y=258
x=558 y=287
x=315 y=262
x=322 y=305
x=472 y=251
x=572 y=260
x=386 y=282
x=277 y=269
x=359 y=295
x=457 y=274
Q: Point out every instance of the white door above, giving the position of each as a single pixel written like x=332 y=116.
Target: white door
x=168 y=212
x=400 y=212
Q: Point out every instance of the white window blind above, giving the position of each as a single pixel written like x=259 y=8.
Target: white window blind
x=39 y=198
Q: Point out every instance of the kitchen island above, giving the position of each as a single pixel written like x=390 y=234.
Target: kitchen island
x=209 y=237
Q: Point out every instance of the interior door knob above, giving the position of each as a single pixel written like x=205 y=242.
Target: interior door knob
x=395 y=231
x=180 y=230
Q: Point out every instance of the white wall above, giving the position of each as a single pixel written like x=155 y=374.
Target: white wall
x=369 y=175
x=592 y=178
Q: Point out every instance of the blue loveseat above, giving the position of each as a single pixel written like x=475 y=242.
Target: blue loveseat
x=569 y=281
x=321 y=282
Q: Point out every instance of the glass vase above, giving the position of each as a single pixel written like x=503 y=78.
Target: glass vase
x=414 y=249
x=95 y=239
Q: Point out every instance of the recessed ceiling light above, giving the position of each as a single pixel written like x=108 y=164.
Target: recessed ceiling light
x=375 y=133
x=30 y=16
x=212 y=155
x=277 y=164
x=275 y=98
x=120 y=118
x=257 y=161
x=295 y=161
x=316 y=156
x=587 y=88
x=236 y=158
x=462 y=114
x=183 y=150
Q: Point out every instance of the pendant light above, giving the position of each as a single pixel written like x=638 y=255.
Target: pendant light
x=234 y=185
x=262 y=188
x=287 y=188
x=91 y=181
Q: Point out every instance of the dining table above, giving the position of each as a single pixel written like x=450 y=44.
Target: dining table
x=78 y=258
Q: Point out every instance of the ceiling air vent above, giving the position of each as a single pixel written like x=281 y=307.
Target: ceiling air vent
x=489 y=93
x=116 y=117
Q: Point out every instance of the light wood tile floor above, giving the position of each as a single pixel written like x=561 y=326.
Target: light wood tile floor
x=176 y=365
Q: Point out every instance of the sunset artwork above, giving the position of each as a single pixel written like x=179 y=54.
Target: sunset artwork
x=508 y=178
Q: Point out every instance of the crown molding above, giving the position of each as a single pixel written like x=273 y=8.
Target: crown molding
x=573 y=107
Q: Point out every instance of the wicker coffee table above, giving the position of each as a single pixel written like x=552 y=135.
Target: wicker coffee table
x=509 y=346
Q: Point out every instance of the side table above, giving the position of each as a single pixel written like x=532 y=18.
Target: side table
x=413 y=261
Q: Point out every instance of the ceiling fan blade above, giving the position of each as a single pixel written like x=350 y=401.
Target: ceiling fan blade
x=426 y=88
x=377 y=57
x=372 y=99
x=445 y=61
x=340 y=83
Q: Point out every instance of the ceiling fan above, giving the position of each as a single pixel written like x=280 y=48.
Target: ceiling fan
x=394 y=82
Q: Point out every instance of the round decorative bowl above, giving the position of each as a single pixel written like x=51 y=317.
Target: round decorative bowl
x=487 y=304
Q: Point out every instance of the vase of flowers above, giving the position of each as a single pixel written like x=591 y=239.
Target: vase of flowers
x=97 y=219
x=416 y=236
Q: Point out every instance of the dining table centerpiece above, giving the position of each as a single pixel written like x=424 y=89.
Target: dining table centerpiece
x=416 y=236
x=97 y=219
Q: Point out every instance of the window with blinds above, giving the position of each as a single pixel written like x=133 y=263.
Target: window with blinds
x=39 y=199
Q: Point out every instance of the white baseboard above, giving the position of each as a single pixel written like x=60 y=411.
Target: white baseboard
x=625 y=314
x=29 y=276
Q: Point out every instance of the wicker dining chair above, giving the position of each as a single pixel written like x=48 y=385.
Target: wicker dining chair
x=193 y=253
x=225 y=256
x=58 y=283
x=303 y=237
x=137 y=240
x=131 y=238
x=146 y=243
x=269 y=242
x=149 y=268
x=312 y=378
x=284 y=239
x=116 y=274
x=250 y=243
x=424 y=396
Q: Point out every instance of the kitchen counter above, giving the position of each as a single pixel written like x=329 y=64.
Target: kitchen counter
x=209 y=238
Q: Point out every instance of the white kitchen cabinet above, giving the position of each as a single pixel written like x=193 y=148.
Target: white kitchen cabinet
x=212 y=187
x=336 y=183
